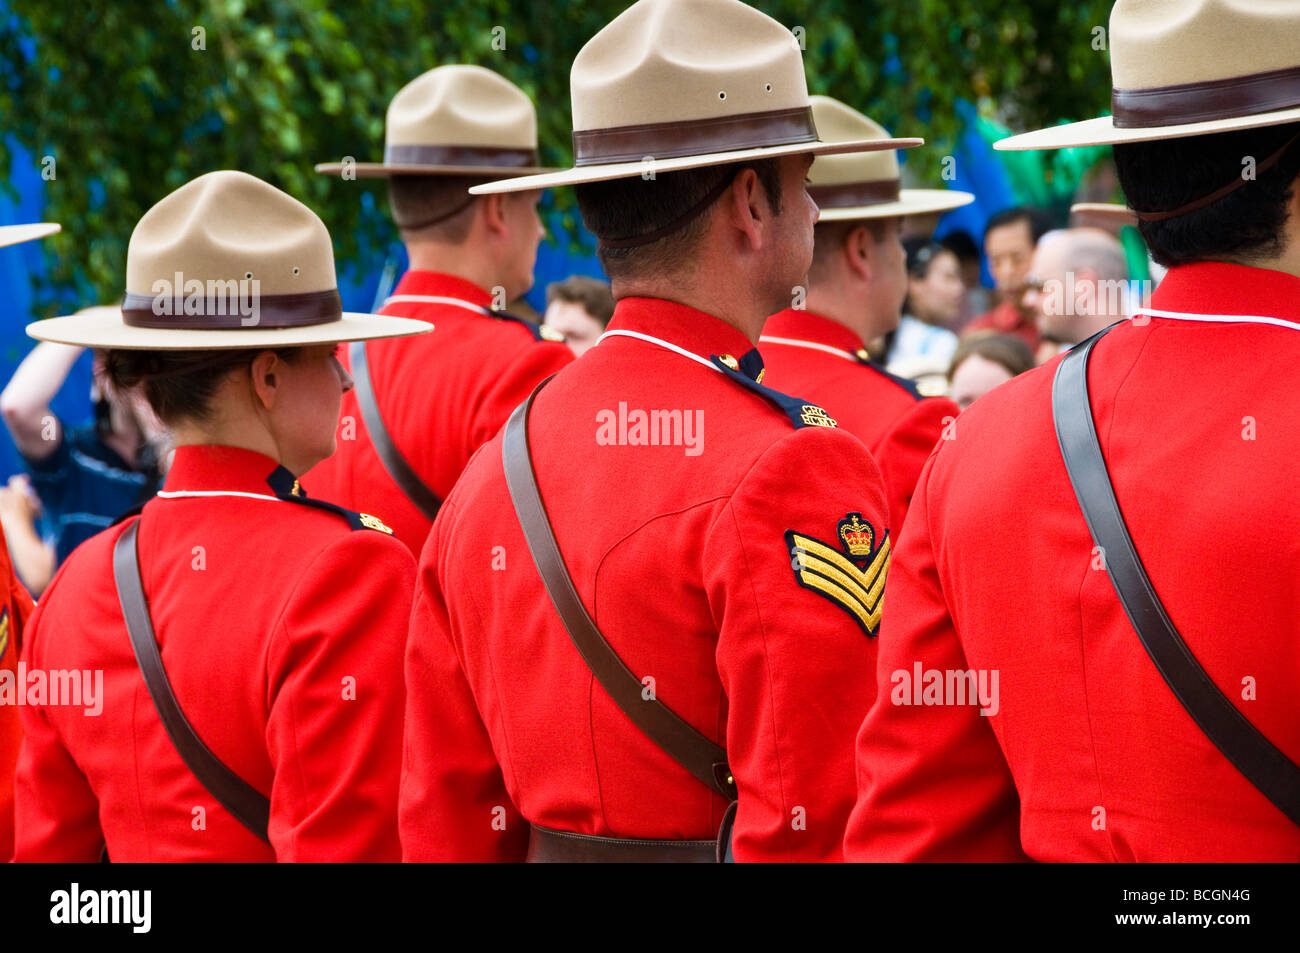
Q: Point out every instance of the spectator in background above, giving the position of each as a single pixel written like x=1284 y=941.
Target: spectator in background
x=984 y=360
x=86 y=477
x=1078 y=285
x=579 y=308
x=977 y=299
x=33 y=558
x=923 y=346
x=1009 y=242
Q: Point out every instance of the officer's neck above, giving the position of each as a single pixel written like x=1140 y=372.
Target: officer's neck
x=851 y=309
x=463 y=260
x=1287 y=259
x=724 y=296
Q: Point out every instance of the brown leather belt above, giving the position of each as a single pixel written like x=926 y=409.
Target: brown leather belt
x=546 y=846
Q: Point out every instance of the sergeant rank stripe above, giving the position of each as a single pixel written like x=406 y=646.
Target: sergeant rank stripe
x=835 y=576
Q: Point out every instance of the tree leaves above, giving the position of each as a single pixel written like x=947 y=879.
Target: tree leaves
x=134 y=98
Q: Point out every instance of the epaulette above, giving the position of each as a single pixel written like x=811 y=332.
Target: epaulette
x=287 y=488
x=800 y=412
x=540 y=332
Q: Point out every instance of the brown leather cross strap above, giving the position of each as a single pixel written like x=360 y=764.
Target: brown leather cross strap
x=416 y=490
x=232 y=311
x=232 y=792
x=1261 y=762
x=1227 y=98
x=693 y=137
x=856 y=194
x=692 y=750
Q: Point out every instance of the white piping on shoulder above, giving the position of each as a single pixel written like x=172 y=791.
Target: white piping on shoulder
x=811 y=345
x=177 y=494
x=662 y=343
x=1230 y=318
x=435 y=299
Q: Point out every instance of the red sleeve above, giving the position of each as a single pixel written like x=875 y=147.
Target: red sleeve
x=453 y=804
x=932 y=782
x=55 y=811
x=904 y=450
x=335 y=700
x=797 y=666
x=13 y=617
x=538 y=361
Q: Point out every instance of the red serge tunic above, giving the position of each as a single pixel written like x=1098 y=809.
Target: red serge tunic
x=681 y=550
x=281 y=632
x=441 y=395
x=15 y=607
x=1089 y=756
x=819 y=358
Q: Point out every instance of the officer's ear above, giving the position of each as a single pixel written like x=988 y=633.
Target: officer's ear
x=859 y=252
x=266 y=376
x=493 y=209
x=747 y=207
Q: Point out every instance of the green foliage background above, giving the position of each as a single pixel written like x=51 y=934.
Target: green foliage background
x=129 y=110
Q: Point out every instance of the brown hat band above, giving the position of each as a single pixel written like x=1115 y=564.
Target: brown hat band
x=459 y=155
x=855 y=194
x=695 y=137
x=1201 y=102
x=240 y=309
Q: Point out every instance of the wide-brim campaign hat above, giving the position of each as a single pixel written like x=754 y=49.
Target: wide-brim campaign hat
x=455 y=120
x=863 y=185
x=1111 y=213
x=1190 y=68
x=17 y=234
x=226 y=261
x=669 y=85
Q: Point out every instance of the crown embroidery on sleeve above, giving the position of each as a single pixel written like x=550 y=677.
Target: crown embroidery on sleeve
x=835 y=574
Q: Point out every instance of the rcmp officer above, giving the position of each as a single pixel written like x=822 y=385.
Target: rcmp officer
x=280 y=619
x=1111 y=539
x=422 y=407
x=623 y=625
x=15 y=607
x=855 y=293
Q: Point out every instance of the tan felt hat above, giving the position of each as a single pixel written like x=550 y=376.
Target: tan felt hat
x=226 y=261
x=1111 y=213
x=455 y=120
x=865 y=184
x=683 y=84
x=1190 y=68
x=17 y=234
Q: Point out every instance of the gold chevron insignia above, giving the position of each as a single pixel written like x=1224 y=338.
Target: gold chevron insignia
x=836 y=576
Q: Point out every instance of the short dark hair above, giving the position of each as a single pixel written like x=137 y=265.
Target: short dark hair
x=1033 y=217
x=592 y=293
x=179 y=384
x=625 y=208
x=921 y=253
x=433 y=206
x=1168 y=173
x=829 y=238
x=960 y=243
x=1005 y=349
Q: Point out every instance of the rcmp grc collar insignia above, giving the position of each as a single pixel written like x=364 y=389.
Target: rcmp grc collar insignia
x=836 y=576
x=749 y=371
x=287 y=488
